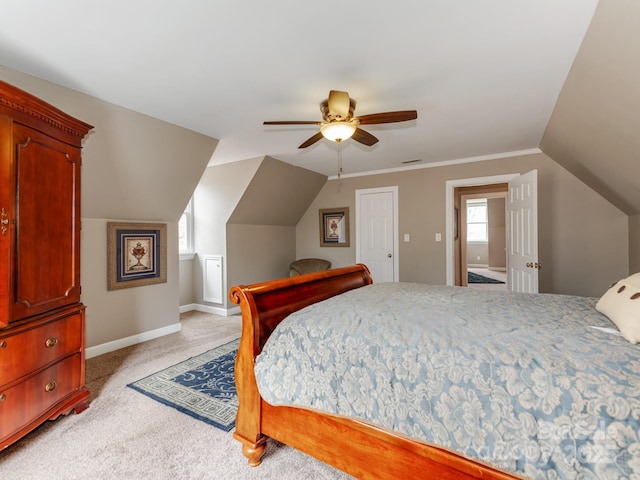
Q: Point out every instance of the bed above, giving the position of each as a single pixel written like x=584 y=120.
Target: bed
x=596 y=435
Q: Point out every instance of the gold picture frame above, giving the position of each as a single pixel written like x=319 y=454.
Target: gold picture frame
x=136 y=254
x=334 y=227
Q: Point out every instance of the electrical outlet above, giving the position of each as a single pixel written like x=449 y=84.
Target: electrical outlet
x=438 y=237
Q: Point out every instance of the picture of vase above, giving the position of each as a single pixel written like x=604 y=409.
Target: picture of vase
x=138 y=252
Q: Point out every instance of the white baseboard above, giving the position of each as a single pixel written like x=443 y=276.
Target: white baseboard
x=160 y=332
x=132 y=340
x=225 y=312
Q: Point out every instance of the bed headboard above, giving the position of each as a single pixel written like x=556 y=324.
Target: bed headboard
x=264 y=305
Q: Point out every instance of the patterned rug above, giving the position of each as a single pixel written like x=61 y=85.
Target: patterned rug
x=477 y=278
x=202 y=386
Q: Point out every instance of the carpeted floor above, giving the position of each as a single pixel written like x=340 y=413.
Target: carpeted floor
x=126 y=435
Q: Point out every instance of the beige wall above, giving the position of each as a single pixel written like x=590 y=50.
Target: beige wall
x=478 y=254
x=583 y=239
x=247 y=212
x=185 y=283
x=259 y=252
x=634 y=244
x=117 y=314
x=593 y=128
x=214 y=200
x=134 y=168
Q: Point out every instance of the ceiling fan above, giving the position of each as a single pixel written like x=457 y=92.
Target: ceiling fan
x=339 y=123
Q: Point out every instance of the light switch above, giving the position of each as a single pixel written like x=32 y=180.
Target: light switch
x=407 y=237
x=438 y=237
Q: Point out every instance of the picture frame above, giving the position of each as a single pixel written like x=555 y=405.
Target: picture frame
x=136 y=254
x=334 y=227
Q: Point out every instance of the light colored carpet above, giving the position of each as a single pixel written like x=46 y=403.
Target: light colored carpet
x=127 y=435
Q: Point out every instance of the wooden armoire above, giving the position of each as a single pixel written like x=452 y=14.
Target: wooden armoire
x=42 y=322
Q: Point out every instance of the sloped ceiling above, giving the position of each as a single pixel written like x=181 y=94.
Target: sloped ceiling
x=594 y=131
x=289 y=189
x=485 y=77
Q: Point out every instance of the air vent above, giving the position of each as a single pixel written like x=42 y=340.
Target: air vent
x=409 y=162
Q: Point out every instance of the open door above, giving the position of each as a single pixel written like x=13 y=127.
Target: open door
x=522 y=241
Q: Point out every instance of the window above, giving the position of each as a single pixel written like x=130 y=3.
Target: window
x=185 y=230
x=477 y=220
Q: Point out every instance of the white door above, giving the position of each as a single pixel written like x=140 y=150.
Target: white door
x=376 y=232
x=522 y=243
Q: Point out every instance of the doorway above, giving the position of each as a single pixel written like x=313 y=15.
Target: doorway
x=481 y=241
x=522 y=228
x=450 y=215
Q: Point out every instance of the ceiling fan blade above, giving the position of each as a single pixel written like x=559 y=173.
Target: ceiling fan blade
x=339 y=104
x=312 y=140
x=364 y=137
x=293 y=122
x=387 y=117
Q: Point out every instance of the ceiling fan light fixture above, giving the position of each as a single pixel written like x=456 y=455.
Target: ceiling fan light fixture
x=338 y=131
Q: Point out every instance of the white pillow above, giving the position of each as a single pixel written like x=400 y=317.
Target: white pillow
x=621 y=303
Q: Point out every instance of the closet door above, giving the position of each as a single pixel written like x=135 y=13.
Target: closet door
x=6 y=209
x=46 y=263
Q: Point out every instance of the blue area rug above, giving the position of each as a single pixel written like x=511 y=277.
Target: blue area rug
x=477 y=278
x=202 y=386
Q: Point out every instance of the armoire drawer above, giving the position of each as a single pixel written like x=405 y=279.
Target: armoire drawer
x=30 y=349
x=25 y=401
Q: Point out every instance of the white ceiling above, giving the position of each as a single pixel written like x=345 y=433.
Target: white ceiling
x=483 y=76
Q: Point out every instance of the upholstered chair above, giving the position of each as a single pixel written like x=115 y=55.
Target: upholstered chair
x=308 y=265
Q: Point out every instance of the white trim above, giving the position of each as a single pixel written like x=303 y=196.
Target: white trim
x=132 y=340
x=224 y=312
x=212 y=278
x=450 y=186
x=188 y=308
x=187 y=256
x=160 y=332
x=444 y=163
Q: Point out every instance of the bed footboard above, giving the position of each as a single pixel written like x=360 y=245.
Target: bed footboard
x=264 y=306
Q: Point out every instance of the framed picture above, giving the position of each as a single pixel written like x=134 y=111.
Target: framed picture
x=136 y=254
x=334 y=227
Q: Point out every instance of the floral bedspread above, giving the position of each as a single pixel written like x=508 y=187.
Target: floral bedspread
x=521 y=381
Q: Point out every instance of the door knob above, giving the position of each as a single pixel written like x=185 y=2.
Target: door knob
x=389 y=255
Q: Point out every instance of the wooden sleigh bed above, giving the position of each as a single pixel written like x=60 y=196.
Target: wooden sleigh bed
x=353 y=446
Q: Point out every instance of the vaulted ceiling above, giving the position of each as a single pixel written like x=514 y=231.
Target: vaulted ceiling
x=487 y=78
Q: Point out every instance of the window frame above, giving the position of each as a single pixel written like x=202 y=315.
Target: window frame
x=481 y=201
x=188 y=215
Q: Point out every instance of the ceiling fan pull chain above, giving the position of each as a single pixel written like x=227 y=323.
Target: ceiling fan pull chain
x=339 y=158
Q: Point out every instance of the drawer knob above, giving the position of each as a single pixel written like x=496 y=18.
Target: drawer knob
x=3 y=397
x=51 y=342
x=4 y=221
x=3 y=344
x=51 y=386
